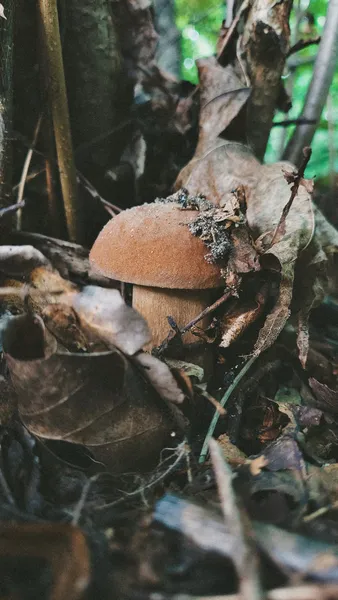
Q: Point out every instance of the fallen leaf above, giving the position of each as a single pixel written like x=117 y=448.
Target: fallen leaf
x=97 y=399
x=280 y=313
x=160 y=376
x=2 y=12
x=257 y=464
x=104 y=313
x=326 y=397
x=222 y=95
x=233 y=324
x=69 y=259
x=233 y=455
x=20 y=260
x=218 y=171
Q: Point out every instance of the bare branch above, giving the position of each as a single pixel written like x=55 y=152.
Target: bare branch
x=324 y=68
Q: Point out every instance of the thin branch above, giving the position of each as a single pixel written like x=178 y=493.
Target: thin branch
x=243 y=555
x=175 y=330
x=24 y=173
x=324 y=69
x=301 y=44
x=288 y=122
x=60 y=115
x=296 y=180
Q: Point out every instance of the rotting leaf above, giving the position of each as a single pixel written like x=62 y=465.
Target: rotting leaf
x=233 y=455
x=326 y=397
x=99 y=399
x=280 y=313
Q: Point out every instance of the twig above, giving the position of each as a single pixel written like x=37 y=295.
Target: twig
x=294 y=191
x=60 y=115
x=287 y=122
x=322 y=75
x=301 y=44
x=207 y=311
x=216 y=404
x=111 y=208
x=84 y=494
x=12 y=208
x=243 y=555
x=24 y=174
x=232 y=28
x=224 y=400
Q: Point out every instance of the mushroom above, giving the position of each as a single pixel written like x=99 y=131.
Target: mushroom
x=151 y=246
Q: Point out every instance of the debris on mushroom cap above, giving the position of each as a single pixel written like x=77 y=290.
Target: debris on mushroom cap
x=151 y=245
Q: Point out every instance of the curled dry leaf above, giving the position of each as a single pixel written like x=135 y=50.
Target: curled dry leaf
x=93 y=314
x=234 y=324
x=160 y=376
x=326 y=397
x=104 y=313
x=99 y=400
x=300 y=251
x=71 y=260
x=20 y=260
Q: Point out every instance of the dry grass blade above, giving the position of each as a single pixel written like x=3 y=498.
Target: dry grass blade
x=243 y=556
x=59 y=109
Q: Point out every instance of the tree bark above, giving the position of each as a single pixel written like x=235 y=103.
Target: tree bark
x=265 y=44
x=168 y=53
x=92 y=66
x=6 y=94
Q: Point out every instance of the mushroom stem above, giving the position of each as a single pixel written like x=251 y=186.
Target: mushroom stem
x=156 y=304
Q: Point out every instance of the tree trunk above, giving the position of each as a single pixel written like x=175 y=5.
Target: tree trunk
x=168 y=52
x=92 y=67
x=6 y=45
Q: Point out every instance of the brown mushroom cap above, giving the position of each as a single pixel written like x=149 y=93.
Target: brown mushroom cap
x=151 y=245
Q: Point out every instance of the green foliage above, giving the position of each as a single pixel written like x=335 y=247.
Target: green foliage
x=199 y=22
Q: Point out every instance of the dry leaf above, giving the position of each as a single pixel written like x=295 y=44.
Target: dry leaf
x=104 y=313
x=257 y=464
x=219 y=171
x=233 y=455
x=71 y=260
x=2 y=13
x=326 y=397
x=160 y=376
x=99 y=400
x=298 y=249
x=20 y=260
x=222 y=95
x=280 y=313
x=233 y=324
